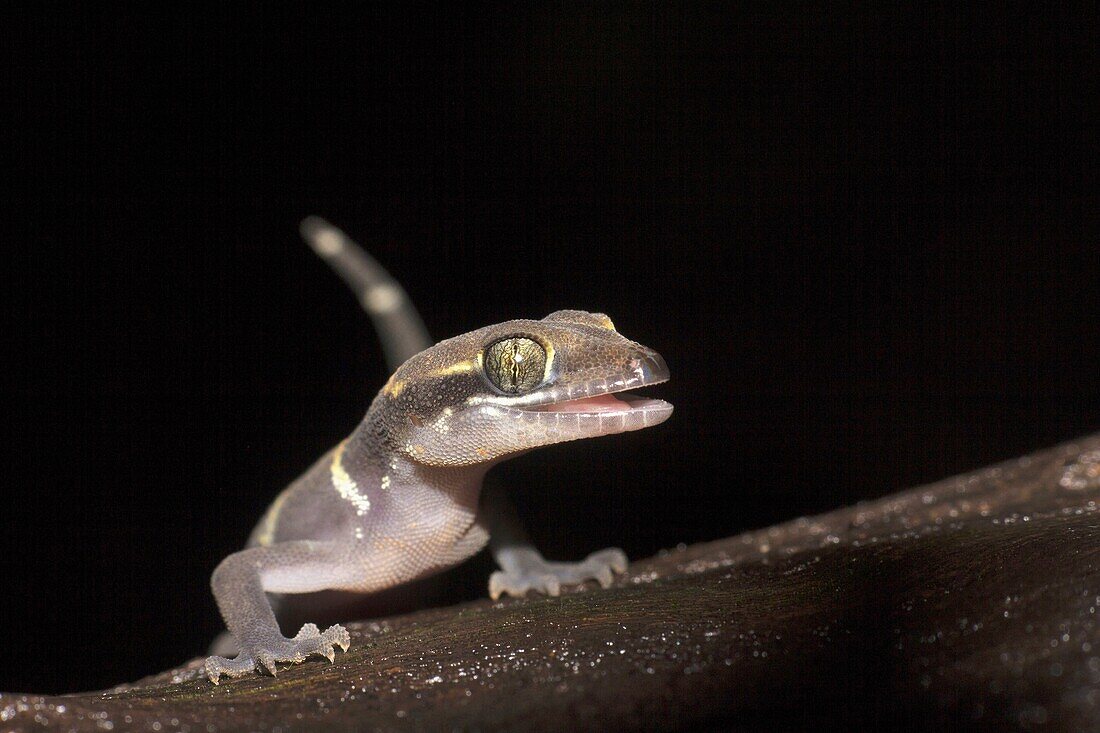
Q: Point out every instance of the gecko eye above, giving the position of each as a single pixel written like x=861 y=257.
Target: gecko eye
x=515 y=365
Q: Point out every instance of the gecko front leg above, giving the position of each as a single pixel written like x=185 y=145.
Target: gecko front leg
x=240 y=584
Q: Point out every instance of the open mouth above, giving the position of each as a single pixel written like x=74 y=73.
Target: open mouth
x=605 y=403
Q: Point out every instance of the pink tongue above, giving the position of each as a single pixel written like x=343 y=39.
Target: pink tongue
x=601 y=403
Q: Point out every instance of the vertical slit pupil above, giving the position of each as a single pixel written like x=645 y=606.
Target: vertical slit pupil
x=515 y=364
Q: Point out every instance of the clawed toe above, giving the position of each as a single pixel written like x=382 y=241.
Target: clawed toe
x=237 y=667
x=604 y=577
x=308 y=631
x=340 y=636
x=613 y=557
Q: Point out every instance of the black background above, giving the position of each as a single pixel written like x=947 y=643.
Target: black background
x=863 y=239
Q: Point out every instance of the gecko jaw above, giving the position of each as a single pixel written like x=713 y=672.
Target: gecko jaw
x=608 y=403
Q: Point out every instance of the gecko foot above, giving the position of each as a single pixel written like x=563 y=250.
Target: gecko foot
x=265 y=654
x=535 y=573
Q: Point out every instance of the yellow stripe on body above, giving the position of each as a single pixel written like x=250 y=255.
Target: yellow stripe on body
x=345 y=485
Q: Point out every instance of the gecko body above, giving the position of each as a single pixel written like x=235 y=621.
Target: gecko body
x=402 y=497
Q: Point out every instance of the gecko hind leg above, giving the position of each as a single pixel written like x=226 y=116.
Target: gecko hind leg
x=526 y=570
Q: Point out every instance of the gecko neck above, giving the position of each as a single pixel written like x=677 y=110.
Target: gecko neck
x=370 y=453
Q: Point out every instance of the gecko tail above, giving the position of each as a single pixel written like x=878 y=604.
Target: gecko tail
x=399 y=325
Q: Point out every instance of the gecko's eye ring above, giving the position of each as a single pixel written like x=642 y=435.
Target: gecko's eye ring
x=515 y=365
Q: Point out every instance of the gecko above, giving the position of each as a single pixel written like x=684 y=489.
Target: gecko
x=404 y=495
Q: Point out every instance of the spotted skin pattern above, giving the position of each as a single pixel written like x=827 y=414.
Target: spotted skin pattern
x=401 y=498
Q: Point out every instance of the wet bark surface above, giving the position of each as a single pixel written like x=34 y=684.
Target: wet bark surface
x=972 y=603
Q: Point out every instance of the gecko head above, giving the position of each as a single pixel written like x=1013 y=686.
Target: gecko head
x=505 y=389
